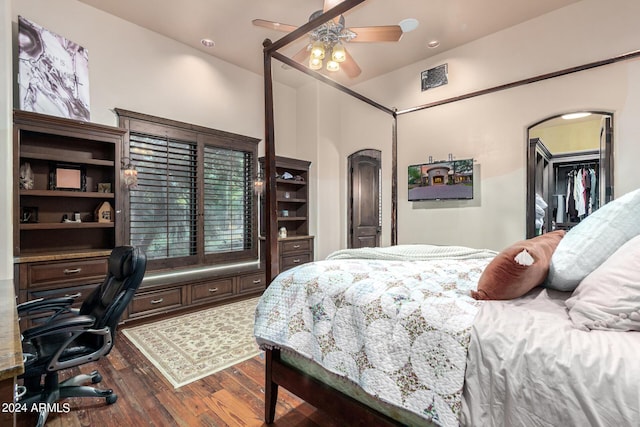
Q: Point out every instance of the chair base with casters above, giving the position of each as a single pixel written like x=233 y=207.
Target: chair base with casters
x=44 y=396
x=64 y=337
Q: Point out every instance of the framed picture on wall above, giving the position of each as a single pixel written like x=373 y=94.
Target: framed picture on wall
x=53 y=73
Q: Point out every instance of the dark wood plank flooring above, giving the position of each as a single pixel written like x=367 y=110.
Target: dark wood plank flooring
x=232 y=397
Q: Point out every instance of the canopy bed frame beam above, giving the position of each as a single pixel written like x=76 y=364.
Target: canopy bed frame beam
x=624 y=57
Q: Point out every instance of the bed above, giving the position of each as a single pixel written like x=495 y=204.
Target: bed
x=391 y=336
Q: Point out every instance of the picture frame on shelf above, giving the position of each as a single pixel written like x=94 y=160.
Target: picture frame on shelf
x=67 y=177
x=28 y=214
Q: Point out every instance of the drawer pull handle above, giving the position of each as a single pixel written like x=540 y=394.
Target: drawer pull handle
x=296 y=246
x=257 y=282
x=296 y=261
x=157 y=301
x=74 y=296
x=213 y=290
x=72 y=270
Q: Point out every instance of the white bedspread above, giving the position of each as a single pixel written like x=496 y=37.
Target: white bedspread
x=529 y=367
x=398 y=329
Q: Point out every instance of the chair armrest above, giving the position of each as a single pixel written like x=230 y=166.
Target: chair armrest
x=60 y=325
x=44 y=305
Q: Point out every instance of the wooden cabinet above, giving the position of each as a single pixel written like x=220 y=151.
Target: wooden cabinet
x=58 y=166
x=45 y=278
x=67 y=160
x=294 y=251
x=292 y=200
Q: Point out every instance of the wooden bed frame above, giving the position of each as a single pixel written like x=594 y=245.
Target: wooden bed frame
x=316 y=393
x=278 y=373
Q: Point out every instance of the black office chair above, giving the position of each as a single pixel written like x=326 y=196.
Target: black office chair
x=64 y=337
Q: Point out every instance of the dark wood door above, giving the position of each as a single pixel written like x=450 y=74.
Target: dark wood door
x=364 y=199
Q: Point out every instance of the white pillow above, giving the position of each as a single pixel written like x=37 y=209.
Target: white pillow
x=609 y=297
x=593 y=240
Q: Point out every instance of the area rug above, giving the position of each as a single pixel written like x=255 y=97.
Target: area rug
x=192 y=346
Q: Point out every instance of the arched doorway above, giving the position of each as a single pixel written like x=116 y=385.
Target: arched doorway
x=364 y=204
x=569 y=169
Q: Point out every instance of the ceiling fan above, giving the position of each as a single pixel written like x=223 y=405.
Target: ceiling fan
x=325 y=47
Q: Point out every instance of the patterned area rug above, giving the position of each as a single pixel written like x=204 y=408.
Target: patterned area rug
x=195 y=345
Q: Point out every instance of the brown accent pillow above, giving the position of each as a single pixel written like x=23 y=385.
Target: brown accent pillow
x=508 y=278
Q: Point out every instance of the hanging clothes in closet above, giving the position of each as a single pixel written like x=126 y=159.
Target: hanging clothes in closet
x=582 y=186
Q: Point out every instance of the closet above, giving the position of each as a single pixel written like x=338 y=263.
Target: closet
x=570 y=177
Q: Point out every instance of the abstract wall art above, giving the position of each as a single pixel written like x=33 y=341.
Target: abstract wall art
x=53 y=73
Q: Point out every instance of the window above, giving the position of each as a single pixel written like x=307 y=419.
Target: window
x=194 y=203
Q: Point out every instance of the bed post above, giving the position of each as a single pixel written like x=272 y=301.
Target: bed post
x=394 y=179
x=270 y=387
x=270 y=216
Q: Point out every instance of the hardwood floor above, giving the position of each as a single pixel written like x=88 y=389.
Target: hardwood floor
x=232 y=397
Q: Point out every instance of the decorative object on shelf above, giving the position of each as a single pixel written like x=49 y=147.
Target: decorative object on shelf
x=69 y=177
x=129 y=174
x=285 y=213
x=104 y=212
x=53 y=73
x=287 y=195
x=104 y=187
x=282 y=233
x=26 y=177
x=76 y=218
x=29 y=214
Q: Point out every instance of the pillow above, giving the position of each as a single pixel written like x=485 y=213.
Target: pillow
x=519 y=268
x=609 y=297
x=593 y=240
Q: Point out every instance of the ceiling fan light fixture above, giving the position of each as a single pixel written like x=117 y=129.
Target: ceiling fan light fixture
x=315 y=63
x=338 y=53
x=332 y=65
x=317 y=50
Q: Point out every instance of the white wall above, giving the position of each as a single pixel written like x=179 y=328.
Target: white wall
x=139 y=70
x=493 y=128
x=6 y=144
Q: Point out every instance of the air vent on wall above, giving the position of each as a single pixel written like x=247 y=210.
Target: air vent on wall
x=434 y=77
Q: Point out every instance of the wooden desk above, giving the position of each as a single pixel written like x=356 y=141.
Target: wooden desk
x=10 y=350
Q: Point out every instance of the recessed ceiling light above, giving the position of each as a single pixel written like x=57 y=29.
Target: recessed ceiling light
x=575 y=115
x=433 y=44
x=207 y=43
x=408 y=24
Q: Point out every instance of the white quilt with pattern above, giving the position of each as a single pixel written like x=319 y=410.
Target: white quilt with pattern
x=398 y=329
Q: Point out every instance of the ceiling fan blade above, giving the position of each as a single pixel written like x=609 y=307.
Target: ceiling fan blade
x=273 y=25
x=330 y=4
x=349 y=66
x=383 y=33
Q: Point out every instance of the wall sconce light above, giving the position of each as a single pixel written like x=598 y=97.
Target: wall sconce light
x=129 y=173
x=258 y=184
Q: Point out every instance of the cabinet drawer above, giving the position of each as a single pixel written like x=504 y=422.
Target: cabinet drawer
x=80 y=271
x=291 y=261
x=211 y=291
x=296 y=246
x=80 y=293
x=156 y=301
x=251 y=283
